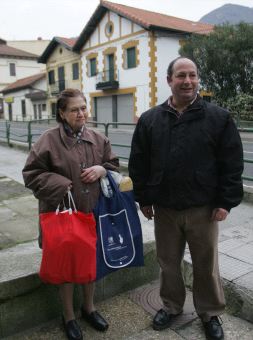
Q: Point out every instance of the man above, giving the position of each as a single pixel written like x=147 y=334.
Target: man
x=186 y=163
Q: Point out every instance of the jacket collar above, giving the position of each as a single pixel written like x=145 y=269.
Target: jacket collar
x=69 y=142
x=197 y=103
x=194 y=111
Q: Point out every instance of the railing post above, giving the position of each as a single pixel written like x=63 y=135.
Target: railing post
x=106 y=129
x=238 y=119
x=8 y=126
x=29 y=134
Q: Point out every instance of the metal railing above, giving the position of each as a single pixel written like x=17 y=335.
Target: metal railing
x=26 y=133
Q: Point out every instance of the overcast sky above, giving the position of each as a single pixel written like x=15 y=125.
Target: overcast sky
x=30 y=19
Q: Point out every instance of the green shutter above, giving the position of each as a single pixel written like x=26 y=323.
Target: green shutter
x=93 y=67
x=131 y=57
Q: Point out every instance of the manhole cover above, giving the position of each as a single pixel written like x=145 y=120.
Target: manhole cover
x=148 y=297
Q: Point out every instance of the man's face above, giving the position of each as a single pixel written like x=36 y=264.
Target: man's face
x=184 y=81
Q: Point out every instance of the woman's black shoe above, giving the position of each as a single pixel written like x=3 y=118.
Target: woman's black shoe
x=95 y=320
x=213 y=328
x=72 y=329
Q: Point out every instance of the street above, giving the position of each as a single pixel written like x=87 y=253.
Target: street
x=120 y=139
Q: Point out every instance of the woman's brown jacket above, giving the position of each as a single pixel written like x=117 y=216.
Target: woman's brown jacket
x=55 y=161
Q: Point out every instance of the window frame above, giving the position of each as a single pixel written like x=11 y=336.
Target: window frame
x=51 y=77
x=12 y=69
x=128 y=46
x=128 y=66
x=92 y=67
x=23 y=108
x=75 y=71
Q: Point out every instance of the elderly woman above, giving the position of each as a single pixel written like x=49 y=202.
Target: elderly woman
x=70 y=156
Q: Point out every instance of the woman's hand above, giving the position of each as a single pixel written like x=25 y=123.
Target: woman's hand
x=92 y=174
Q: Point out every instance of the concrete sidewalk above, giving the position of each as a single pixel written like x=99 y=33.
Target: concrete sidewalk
x=130 y=320
x=20 y=259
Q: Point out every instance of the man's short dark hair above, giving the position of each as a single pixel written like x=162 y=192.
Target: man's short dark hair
x=172 y=63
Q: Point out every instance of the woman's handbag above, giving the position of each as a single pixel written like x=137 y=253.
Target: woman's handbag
x=69 y=246
x=119 y=235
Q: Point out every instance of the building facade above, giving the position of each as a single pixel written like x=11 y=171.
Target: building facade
x=125 y=53
x=26 y=99
x=63 y=69
x=15 y=64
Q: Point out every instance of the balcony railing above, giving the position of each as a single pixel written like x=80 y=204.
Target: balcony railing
x=107 y=80
x=57 y=87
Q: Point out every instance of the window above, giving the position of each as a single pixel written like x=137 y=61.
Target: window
x=23 y=108
x=53 y=109
x=130 y=54
x=35 y=111
x=131 y=57
x=44 y=107
x=51 y=78
x=109 y=29
x=75 y=71
x=93 y=67
x=12 y=69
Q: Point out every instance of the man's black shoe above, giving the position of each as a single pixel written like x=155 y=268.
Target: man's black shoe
x=213 y=328
x=72 y=329
x=95 y=320
x=162 y=320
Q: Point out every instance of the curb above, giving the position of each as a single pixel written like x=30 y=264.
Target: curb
x=248 y=193
x=28 y=302
x=239 y=300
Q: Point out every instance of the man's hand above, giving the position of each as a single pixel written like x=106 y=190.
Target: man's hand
x=148 y=212
x=219 y=214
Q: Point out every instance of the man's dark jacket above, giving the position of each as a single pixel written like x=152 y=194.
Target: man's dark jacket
x=193 y=160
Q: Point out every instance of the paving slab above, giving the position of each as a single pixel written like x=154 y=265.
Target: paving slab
x=243 y=253
x=246 y=281
x=232 y=268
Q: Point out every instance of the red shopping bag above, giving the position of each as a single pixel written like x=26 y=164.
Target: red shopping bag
x=69 y=247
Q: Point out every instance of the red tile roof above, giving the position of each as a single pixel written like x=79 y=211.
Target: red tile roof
x=148 y=19
x=68 y=41
x=8 y=51
x=24 y=83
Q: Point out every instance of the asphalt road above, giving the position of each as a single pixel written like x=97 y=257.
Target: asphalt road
x=120 y=139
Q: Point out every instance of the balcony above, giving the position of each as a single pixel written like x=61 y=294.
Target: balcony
x=57 y=87
x=107 y=80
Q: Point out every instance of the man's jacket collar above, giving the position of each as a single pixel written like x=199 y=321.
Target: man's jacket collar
x=194 y=111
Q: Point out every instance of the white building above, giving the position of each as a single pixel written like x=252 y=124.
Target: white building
x=15 y=64
x=26 y=99
x=33 y=46
x=125 y=54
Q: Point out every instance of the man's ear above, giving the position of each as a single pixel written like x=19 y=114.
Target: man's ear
x=168 y=80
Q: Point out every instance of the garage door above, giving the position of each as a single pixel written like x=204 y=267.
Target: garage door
x=125 y=108
x=104 y=109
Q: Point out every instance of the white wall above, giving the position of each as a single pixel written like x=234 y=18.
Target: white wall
x=24 y=68
x=32 y=46
x=18 y=96
x=167 y=50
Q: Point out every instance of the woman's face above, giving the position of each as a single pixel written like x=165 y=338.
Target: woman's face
x=75 y=113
